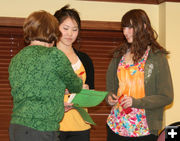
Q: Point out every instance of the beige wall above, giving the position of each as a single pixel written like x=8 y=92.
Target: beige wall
x=169 y=37
x=98 y=11
x=172 y=43
x=163 y=19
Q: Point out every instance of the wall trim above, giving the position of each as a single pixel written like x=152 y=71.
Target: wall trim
x=92 y=25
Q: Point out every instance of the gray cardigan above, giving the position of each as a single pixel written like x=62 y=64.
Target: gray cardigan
x=158 y=88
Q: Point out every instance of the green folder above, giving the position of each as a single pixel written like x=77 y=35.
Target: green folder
x=87 y=98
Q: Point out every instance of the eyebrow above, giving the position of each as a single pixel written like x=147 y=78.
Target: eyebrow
x=70 y=26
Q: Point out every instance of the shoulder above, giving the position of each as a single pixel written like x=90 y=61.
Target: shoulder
x=55 y=51
x=158 y=58
x=115 y=61
x=23 y=53
x=82 y=55
x=58 y=55
x=158 y=55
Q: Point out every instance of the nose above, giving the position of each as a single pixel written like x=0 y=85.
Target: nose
x=70 y=32
x=125 y=30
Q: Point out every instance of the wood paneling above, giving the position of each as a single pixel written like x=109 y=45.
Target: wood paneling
x=11 y=42
x=98 y=39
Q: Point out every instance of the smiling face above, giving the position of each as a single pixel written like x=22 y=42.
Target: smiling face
x=128 y=33
x=69 y=29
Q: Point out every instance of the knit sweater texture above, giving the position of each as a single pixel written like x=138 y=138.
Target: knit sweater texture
x=38 y=77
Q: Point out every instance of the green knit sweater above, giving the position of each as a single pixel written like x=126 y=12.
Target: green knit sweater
x=38 y=77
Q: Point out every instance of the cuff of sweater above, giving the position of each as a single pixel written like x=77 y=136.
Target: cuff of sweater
x=109 y=94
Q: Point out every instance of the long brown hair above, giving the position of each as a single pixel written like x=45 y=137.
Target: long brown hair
x=143 y=36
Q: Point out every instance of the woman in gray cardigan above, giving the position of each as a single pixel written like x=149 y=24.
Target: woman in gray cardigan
x=138 y=81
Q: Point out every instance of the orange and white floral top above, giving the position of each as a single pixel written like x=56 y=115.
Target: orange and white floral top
x=131 y=83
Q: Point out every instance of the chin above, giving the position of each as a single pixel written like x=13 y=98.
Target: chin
x=129 y=42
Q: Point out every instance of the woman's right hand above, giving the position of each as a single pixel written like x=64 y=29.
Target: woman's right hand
x=113 y=99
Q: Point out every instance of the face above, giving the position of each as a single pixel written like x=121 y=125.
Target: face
x=69 y=30
x=128 y=33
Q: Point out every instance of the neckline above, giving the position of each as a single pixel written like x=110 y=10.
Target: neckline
x=144 y=58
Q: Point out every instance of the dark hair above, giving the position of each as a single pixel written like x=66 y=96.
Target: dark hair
x=143 y=36
x=41 y=26
x=66 y=12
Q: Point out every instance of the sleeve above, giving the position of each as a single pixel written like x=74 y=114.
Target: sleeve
x=90 y=72
x=70 y=79
x=111 y=78
x=163 y=94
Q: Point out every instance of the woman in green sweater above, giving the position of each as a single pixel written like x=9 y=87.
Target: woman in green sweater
x=139 y=82
x=39 y=75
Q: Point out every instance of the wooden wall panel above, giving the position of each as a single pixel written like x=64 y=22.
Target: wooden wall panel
x=97 y=41
x=11 y=42
x=98 y=132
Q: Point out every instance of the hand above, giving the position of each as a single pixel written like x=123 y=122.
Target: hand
x=126 y=102
x=66 y=91
x=85 y=86
x=112 y=99
x=67 y=106
x=80 y=76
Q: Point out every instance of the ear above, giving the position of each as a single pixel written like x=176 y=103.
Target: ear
x=51 y=44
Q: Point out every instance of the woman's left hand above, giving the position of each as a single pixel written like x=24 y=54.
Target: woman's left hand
x=67 y=106
x=66 y=91
x=126 y=102
x=85 y=86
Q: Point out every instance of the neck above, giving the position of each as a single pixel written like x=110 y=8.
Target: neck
x=45 y=44
x=64 y=48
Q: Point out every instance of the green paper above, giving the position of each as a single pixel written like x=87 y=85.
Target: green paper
x=88 y=98
x=86 y=117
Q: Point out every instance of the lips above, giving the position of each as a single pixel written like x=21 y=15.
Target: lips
x=69 y=39
x=128 y=37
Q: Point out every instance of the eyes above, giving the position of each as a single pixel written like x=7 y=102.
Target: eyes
x=128 y=30
x=69 y=28
x=124 y=28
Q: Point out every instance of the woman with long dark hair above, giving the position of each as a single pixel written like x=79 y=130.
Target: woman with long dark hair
x=138 y=81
